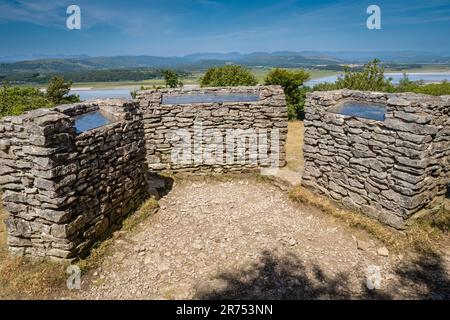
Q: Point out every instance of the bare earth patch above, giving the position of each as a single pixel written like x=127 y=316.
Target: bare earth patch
x=244 y=238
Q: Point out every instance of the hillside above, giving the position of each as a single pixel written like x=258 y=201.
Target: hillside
x=84 y=68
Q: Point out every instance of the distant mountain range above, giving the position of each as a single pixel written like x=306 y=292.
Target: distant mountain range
x=31 y=57
x=343 y=56
x=190 y=62
x=33 y=66
x=386 y=56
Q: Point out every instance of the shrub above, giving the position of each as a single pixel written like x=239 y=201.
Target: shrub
x=171 y=78
x=58 y=91
x=291 y=82
x=325 y=87
x=17 y=100
x=435 y=89
x=371 y=78
x=228 y=76
x=405 y=85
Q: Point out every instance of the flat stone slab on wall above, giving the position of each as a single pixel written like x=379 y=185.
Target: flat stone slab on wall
x=390 y=170
x=203 y=122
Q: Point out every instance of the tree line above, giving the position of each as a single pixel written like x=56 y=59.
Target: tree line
x=110 y=75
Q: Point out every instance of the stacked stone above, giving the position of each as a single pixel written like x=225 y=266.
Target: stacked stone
x=161 y=122
x=390 y=170
x=64 y=191
x=37 y=171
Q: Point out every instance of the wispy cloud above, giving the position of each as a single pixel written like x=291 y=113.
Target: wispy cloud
x=208 y=2
x=39 y=12
x=127 y=19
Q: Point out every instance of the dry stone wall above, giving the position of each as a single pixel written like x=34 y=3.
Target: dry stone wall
x=391 y=170
x=204 y=122
x=64 y=191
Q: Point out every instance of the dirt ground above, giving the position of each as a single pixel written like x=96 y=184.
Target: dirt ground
x=245 y=239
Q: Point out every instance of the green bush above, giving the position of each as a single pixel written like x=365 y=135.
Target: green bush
x=228 y=76
x=291 y=82
x=371 y=78
x=406 y=85
x=171 y=78
x=435 y=89
x=17 y=100
x=325 y=87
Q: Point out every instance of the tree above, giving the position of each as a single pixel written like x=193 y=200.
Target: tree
x=228 y=76
x=171 y=78
x=58 y=91
x=291 y=82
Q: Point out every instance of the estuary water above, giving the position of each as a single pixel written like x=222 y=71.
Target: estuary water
x=87 y=94
x=426 y=77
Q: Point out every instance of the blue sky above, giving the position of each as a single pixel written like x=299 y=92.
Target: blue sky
x=178 y=27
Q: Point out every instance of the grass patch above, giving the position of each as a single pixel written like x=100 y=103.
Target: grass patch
x=426 y=233
x=422 y=236
x=294 y=144
x=97 y=254
x=147 y=209
x=22 y=278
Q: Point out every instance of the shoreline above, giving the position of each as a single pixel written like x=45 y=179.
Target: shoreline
x=123 y=85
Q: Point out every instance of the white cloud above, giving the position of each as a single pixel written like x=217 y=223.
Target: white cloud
x=38 y=12
x=126 y=19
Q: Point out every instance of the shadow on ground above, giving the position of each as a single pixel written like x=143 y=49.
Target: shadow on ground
x=278 y=278
x=288 y=278
x=426 y=272
x=158 y=185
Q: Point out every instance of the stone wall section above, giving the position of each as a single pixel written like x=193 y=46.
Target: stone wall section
x=161 y=122
x=390 y=170
x=65 y=191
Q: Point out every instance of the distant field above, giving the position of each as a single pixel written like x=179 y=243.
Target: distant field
x=260 y=75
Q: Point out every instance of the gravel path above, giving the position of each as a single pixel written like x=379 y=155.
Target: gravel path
x=238 y=239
